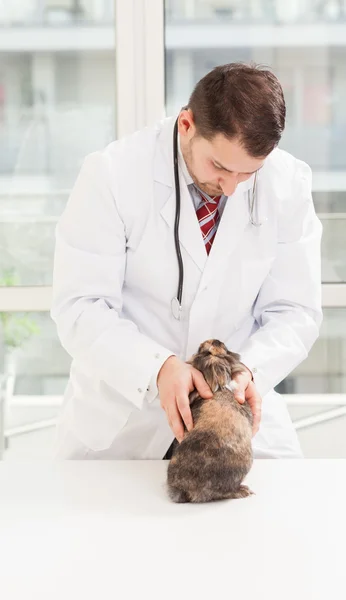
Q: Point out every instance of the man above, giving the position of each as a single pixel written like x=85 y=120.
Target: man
x=250 y=249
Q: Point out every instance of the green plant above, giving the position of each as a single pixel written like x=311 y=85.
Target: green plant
x=16 y=328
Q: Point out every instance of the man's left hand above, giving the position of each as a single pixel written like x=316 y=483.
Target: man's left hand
x=246 y=390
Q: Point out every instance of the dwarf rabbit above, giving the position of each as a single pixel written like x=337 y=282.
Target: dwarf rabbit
x=214 y=457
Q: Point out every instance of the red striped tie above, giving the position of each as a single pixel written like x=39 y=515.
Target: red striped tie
x=208 y=218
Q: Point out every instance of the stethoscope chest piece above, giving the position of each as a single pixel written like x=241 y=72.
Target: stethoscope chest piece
x=176 y=308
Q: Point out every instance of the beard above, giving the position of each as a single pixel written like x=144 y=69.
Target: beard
x=209 y=188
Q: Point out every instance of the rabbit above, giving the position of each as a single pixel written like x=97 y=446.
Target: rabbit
x=212 y=460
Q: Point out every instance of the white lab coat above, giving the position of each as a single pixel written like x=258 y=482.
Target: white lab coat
x=116 y=272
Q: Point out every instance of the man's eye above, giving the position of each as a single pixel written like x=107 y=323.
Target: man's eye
x=217 y=167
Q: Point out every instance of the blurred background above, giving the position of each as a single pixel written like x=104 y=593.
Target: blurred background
x=76 y=74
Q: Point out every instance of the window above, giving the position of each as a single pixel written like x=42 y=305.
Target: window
x=324 y=371
x=57 y=101
x=57 y=104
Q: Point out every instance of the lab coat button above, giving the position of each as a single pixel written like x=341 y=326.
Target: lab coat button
x=254 y=370
x=157 y=355
x=140 y=390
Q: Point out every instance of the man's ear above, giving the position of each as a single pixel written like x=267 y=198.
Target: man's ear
x=186 y=123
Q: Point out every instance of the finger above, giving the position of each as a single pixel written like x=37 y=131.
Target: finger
x=239 y=392
x=201 y=385
x=239 y=395
x=176 y=423
x=255 y=402
x=256 y=419
x=252 y=395
x=242 y=381
x=183 y=404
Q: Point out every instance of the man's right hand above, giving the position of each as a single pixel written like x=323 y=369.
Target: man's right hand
x=175 y=381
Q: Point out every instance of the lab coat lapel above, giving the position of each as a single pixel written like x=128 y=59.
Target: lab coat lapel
x=190 y=236
x=233 y=222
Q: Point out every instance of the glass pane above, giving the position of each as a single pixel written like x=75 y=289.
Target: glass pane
x=331 y=209
x=56 y=12
x=30 y=349
x=56 y=106
x=334 y=248
x=34 y=371
x=324 y=371
x=201 y=35
x=255 y=11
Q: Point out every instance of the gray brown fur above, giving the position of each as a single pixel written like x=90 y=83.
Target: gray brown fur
x=213 y=459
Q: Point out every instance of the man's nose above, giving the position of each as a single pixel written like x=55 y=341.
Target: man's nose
x=229 y=185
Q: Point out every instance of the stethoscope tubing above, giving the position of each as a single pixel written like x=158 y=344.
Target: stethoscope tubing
x=177 y=214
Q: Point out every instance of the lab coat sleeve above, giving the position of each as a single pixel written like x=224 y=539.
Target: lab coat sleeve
x=89 y=269
x=152 y=388
x=288 y=306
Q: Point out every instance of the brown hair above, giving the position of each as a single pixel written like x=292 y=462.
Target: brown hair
x=240 y=101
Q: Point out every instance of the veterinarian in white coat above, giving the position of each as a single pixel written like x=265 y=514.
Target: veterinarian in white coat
x=116 y=273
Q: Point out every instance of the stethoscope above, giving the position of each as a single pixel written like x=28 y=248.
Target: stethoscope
x=176 y=301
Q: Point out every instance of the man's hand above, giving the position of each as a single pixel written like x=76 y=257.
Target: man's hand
x=175 y=381
x=247 y=391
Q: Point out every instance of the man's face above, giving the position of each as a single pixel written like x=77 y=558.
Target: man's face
x=216 y=166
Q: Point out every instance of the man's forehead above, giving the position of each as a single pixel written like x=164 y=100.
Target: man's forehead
x=231 y=156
